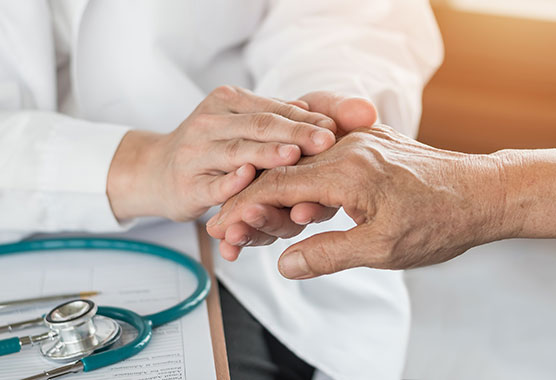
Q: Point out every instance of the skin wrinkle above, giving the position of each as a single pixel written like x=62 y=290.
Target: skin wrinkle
x=325 y=259
x=410 y=235
x=506 y=158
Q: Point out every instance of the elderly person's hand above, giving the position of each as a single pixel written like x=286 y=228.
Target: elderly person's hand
x=413 y=204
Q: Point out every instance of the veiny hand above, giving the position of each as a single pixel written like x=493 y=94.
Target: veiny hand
x=263 y=224
x=212 y=155
x=413 y=204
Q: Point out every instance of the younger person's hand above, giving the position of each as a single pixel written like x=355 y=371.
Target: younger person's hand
x=212 y=155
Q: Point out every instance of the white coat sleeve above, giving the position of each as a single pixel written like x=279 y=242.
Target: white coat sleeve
x=385 y=50
x=53 y=168
x=54 y=172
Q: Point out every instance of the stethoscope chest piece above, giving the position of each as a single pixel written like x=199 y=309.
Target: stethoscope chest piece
x=77 y=331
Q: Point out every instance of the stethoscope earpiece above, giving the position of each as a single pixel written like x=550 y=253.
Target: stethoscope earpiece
x=77 y=331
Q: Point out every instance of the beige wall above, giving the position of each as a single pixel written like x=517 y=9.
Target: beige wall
x=497 y=86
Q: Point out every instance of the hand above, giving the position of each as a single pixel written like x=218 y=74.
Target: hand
x=212 y=155
x=413 y=204
x=262 y=224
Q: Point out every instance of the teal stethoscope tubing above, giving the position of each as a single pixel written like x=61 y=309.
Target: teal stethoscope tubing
x=143 y=324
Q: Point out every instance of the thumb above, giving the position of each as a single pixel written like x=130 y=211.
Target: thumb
x=325 y=253
x=349 y=113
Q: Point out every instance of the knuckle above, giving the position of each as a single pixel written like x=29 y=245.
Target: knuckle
x=384 y=132
x=300 y=130
x=279 y=174
x=327 y=261
x=286 y=110
x=275 y=177
x=354 y=138
x=232 y=148
x=225 y=93
x=383 y=128
x=268 y=150
x=263 y=122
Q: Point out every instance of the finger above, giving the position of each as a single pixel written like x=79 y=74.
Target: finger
x=229 y=155
x=349 y=113
x=282 y=187
x=299 y=103
x=270 y=220
x=221 y=188
x=305 y=213
x=324 y=253
x=270 y=127
x=228 y=252
x=242 y=101
x=242 y=235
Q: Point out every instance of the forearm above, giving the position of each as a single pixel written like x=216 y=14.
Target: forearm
x=529 y=177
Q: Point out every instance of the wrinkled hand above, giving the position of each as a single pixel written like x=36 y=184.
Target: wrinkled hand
x=212 y=155
x=262 y=224
x=413 y=204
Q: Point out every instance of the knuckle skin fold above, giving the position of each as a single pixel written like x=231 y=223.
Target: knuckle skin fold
x=226 y=93
x=232 y=149
x=262 y=123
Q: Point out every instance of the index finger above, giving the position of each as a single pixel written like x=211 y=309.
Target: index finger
x=279 y=187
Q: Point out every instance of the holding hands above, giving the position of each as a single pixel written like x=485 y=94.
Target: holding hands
x=413 y=204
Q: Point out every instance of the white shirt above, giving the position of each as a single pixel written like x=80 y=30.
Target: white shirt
x=75 y=76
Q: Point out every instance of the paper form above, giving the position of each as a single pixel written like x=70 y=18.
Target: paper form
x=179 y=350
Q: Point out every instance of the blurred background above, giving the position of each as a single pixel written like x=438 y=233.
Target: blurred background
x=490 y=314
x=497 y=86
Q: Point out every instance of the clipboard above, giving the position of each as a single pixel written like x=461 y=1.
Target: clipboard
x=12 y=367
x=214 y=309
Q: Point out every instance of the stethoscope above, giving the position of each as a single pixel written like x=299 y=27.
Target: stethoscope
x=81 y=332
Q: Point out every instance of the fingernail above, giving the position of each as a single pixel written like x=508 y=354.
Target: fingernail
x=212 y=221
x=285 y=151
x=257 y=223
x=328 y=124
x=305 y=222
x=242 y=171
x=294 y=266
x=320 y=137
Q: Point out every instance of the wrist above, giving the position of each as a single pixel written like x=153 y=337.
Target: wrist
x=131 y=176
x=530 y=191
x=489 y=199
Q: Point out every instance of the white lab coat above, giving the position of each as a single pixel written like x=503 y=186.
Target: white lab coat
x=76 y=75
